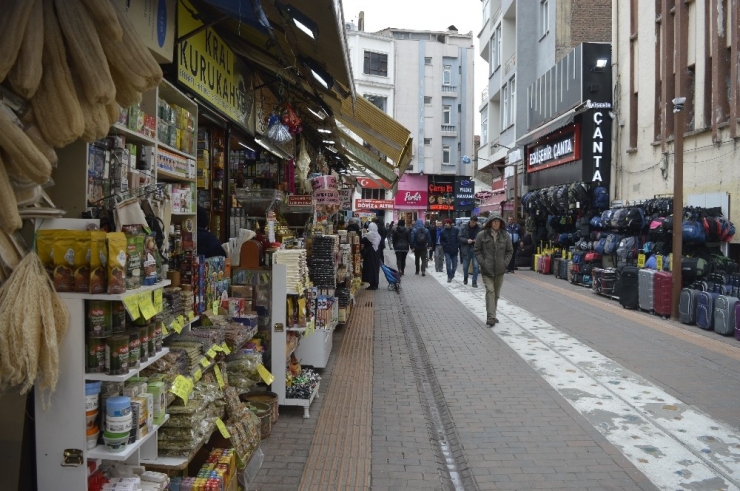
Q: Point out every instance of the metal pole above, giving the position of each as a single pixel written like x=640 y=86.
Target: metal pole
x=677 y=212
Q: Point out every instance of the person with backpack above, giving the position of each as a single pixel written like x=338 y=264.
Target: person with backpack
x=515 y=231
x=401 y=239
x=420 y=240
x=449 y=240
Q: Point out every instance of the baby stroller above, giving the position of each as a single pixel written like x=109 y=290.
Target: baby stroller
x=393 y=277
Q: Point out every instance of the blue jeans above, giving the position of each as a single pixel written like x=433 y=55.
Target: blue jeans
x=451 y=263
x=466 y=266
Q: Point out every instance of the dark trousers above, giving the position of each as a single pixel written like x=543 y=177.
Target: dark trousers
x=401 y=260
x=512 y=263
x=420 y=255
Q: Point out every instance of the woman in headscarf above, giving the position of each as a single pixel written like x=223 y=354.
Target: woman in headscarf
x=370 y=261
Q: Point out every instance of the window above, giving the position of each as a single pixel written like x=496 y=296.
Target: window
x=427 y=99
x=496 y=49
x=447 y=75
x=512 y=100
x=446 y=115
x=376 y=64
x=484 y=128
x=486 y=11
x=505 y=107
x=378 y=101
x=459 y=108
x=373 y=193
x=427 y=141
x=428 y=60
x=544 y=18
x=459 y=146
x=446 y=154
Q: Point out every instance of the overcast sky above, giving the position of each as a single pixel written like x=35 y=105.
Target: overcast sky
x=432 y=15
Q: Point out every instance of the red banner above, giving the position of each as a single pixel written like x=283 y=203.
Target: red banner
x=299 y=200
x=376 y=183
x=373 y=204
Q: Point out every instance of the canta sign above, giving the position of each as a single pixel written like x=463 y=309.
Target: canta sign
x=560 y=148
x=373 y=204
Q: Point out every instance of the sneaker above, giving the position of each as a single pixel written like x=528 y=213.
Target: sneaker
x=465 y=281
x=475 y=285
x=449 y=280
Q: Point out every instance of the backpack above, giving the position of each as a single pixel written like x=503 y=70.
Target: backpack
x=693 y=232
x=627 y=248
x=610 y=246
x=530 y=225
x=601 y=198
x=421 y=238
x=562 y=199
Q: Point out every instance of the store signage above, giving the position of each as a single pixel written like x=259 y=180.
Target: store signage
x=300 y=200
x=326 y=197
x=483 y=195
x=411 y=198
x=441 y=193
x=560 y=148
x=464 y=193
x=598 y=145
x=373 y=204
x=345 y=198
x=155 y=25
x=208 y=67
x=376 y=183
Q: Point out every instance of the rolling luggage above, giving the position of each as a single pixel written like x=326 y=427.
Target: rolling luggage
x=596 y=278
x=705 y=310
x=687 y=306
x=662 y=293
x=608 y=281
x=536 y=262
x=646 y=289
x=569 y=272
x=563 y=269
x=629 y=287
x=546 y=264
x=556 y=266
x=724 y=315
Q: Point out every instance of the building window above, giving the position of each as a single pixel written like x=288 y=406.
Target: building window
x=484 y=128
x=428 y=60
x=373 y=193
x=376 y=64
x=496 y=48
x=427 y=141
x=486 y=11
x=505 y=109
x=427 y=99
x=446 y=154
x=446 y=115
x=459 y=146
x=512 y=100
x=544 y=18
x=447 y=75
x=378 y=101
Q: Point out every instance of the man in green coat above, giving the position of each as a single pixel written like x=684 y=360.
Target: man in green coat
x=493 y=250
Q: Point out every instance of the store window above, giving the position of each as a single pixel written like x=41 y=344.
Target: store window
x=486 y=11
x=427 y=60
x=512 y=100
x=447 y=75
x=446 y=154
x=544 y=18
x=378 y=101
x=446 y=114
x=375 y=64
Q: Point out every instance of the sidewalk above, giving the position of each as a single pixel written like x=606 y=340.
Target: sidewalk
x=456 y=405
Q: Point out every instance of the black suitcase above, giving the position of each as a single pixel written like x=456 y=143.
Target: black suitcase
x=608 y=281
x=628 y=287
x=556 y=266
x=563 y=272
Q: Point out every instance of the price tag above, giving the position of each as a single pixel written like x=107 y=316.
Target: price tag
x=191 y=316
x=158 y=300
x=132 y=306
x=165 y=332
x=265 y=374
x=222 y=428
x=181 y=320
x=217 y=347
x=204 y=361
x=198 y=374
x=641 y=260
x=219 y=377
x=659 y=262
x=216 y=303
x=176 y=326
x=146 y=306
x=670 y=262
x=182 y=388
x=211 y=353
x=225 y=348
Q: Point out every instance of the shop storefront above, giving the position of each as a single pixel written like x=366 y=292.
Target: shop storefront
x=412 y=198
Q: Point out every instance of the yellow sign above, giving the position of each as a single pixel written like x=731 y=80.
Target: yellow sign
x=165 y=332
x=670 y=262
x=265 y=374
x=208 y=67
x=176 y=326
x=180 y=320
x=191 y=316
x=158 y=300
x=204 y=361
x=182 y=387
x=132 y=306
x=198 y=374
x=211 y=352
x=219 y=377
x=225 y=348
x=659 y=262
x=222 y=428
x=146 y=306
x=641 y=260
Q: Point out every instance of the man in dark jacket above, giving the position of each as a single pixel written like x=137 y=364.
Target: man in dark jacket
x=439 y=253
x=353 y=226
x=208 y=244
x=515 y=231
x=450 y=244
x=467 y=236
x=493 y=250
x=401 y=239
x=420 y=240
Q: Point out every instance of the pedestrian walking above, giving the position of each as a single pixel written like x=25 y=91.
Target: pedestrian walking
x=439 y=253
x=383 y=234
x=390 y=234
x=401 y=241
x=451 y=246
x=430 y=227
x=494 y=251
x=515 y=231
x=353 y=226
x=467 y=236
x=370 y=262
x=420 y=240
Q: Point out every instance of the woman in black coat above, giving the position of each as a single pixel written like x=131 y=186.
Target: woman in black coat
x=401 y=239
x=370 y=260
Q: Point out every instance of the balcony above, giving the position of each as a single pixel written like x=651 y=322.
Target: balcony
x=449 y=130
x=510 y=64
x=449 y=88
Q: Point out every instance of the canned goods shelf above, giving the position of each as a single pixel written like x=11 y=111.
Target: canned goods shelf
x=100 y=452
x=122 y=378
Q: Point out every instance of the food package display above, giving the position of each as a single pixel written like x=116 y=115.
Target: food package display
x=64 y=260
x=82 y=251
x=116 y=262
x=98 y=263
x=134 y=255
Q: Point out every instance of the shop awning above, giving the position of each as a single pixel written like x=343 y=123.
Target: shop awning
x=547 y=128
x=366 y=159
x=493 y=203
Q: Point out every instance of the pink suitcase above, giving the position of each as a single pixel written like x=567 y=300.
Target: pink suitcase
x=662 y=291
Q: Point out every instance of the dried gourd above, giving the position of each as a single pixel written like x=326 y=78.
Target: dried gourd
x=96 y=118
x=25 y=76
x=85 y=50
x=55 y=104
x=20 y=149
x=10 y=219
x=113 y=111
x=130 y=56
x=13 y=23
x=9 y=254
x=126 y=94
x=104 y=15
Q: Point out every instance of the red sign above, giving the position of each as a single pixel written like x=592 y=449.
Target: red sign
x=373 y=204
x=559 y=148
x=299 y=200
x=373 y=183
x=411 y=198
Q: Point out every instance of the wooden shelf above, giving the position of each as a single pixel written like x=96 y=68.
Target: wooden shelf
x=176 y=151
x=183 y=213
x=164 y=175
x=131 y=135
x=100 y=452
x=134 y=371
x=115 y=296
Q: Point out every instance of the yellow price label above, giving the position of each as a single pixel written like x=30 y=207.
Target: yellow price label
x=132 y=306
x=191 y=316
x=641 y=260
x=670 y=262
x=211 y=352
x=659 y=262
x=182 y=387
x=219 y=377
x=216 y=303
x=198 y=374
x=204 y=361
x=158 y=300
x=176 y=326
x=222 y=428
x=265 y=374
x=181 y=320
x=146 y=306
x=217 y=347
x=165 y=332
x=225 y=348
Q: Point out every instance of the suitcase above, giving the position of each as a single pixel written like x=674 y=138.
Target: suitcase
x=596 y=277
x=563 y=272
x=662 y=293
x=687 y=306
x=629 y=287
x=737 y=321
x=724 y=315
x=546 y=264
x=646 y=289
x=608 y=281
x=569 y=272
x=705 y=310
x=536 y=262
x=556 y=266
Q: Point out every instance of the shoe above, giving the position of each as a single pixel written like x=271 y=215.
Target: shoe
x=465 y=281
x=475 y=285
x=423 y=274
x=491 y=322
x=449 y=280
x=416 y=272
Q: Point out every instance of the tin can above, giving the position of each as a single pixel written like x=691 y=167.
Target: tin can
x=116 y=354
x=144 y=343
x=151 y=334
x=98 y=318
x=95 y=349
x=158 y=336
x=119 y=317
x=134 y=348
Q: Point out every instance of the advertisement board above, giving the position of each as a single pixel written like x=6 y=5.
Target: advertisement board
x=464 y=193
x=441 y=193
x=373 y=204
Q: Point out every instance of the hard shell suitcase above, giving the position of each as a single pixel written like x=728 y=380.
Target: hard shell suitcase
x=646 y=289
x=724 y=315
x=737 y=321
x=563 y=272
x=569 y=275
x=687 y=306
x=705 y=310
x=596 y=278
x=546 y=264
x=556 y=266
x=629 y=287
x=662 y=293
x=536 y=262
x=608 y=281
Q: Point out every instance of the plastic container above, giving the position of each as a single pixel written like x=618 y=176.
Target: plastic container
x=90 y=418
x=92 y=437
x=92 y=395
x=115 y=443
x=118 y=424
x=118 y=406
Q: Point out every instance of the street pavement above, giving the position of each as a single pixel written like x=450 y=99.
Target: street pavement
x=568 y=391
